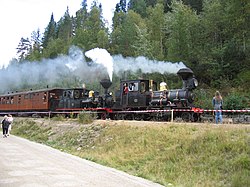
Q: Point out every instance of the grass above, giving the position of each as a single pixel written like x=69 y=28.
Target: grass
x=181 y=155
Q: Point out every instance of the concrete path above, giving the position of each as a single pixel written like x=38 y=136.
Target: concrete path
x=27 y=164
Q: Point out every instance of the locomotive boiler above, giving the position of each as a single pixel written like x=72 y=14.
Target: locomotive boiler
x=180 y=98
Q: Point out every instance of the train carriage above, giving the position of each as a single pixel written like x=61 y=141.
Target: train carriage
x=30 y=101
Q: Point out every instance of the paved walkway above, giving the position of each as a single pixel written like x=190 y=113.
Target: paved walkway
x=27 y=164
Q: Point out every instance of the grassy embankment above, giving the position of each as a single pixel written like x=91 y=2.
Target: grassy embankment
x=177 y=154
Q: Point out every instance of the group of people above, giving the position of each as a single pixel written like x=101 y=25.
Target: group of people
x=6 y=125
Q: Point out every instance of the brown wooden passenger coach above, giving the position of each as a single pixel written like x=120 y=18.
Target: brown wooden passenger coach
x=40 y=100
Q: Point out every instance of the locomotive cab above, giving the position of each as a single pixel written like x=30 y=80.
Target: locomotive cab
x=134 y=94
x=72 y=98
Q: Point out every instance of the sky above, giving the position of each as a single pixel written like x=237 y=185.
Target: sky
x=18 y=18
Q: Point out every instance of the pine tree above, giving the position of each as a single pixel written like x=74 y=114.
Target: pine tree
x=124 y=33
x=23 y=49
x=92 y=32
x=139 y=6
x=36 y=46
x=81 y=16
x=121 y=6
x=50 y=32
x=65 y=27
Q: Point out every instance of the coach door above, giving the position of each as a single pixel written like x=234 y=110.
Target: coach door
x=54 y=99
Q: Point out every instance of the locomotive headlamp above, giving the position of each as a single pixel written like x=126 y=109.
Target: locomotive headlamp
x=195 y=82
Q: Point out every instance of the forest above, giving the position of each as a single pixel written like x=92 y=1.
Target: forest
x=212 y=37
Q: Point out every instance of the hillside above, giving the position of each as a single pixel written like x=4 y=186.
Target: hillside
x=167 y=153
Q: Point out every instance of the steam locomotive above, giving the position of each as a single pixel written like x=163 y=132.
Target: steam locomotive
x=135 y=100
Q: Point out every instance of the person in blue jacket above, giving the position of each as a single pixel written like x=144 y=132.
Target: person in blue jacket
x=217 y=104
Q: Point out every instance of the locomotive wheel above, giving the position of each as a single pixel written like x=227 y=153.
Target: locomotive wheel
x=185 y=116
x=138 y=117
x=147 y=117
x=120 y=116
x=196 y=117
x=129 y=117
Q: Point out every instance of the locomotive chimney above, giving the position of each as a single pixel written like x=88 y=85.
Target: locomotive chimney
x=106 y=83
x=185 y=74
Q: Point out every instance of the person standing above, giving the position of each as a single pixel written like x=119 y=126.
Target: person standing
x=217 y=104
x=125 y=88
x=5 y=126
x=10 y=120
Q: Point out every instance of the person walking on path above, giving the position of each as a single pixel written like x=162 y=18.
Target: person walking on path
x=5 y=126
x=10 y=120
x=217 y=104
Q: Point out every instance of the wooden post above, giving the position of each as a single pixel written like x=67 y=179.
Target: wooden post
x=172 y=115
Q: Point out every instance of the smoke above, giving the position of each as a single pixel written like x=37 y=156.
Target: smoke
x=54 y=72
x=50 y=72
x=101 y=56
x=118 y=64
x=122 y=64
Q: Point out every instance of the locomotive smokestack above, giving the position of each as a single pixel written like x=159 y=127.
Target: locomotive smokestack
x=186 y=75
x=106 y=83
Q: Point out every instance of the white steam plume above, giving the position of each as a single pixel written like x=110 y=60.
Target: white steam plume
x=71 y=66
x=147 y=66
x=102 y=56
x=118 y=64
x=50 y=71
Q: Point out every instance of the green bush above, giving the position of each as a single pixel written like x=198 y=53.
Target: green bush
x=236 y=101
x=58 y=117
x=86 y=118
x=203 y=99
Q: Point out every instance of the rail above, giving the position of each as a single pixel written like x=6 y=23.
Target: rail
x=172 y=111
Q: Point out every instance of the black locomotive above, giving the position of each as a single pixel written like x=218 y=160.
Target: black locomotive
x=136 y=99
x=141 y=99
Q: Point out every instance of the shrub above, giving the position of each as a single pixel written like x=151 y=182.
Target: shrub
x=203 y=98
x=235 y=101
x=86 y=118
x=58 y=117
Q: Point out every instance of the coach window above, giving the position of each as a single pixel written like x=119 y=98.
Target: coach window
x=44 y=96
x=11 y=100
x=143 y=87
x=19 y=99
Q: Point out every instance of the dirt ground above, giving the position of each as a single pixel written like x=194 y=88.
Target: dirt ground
x=69 y=123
